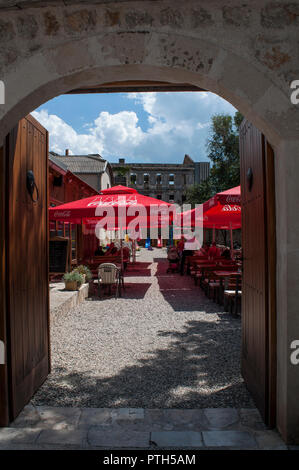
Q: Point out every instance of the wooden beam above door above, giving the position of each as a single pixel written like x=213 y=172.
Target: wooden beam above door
x=136 y=86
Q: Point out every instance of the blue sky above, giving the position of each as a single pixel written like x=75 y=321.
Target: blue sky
x=140 y=127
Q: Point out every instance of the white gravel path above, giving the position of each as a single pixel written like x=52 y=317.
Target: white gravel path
x=162 y=345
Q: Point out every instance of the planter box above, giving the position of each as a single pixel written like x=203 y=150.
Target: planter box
x=71 y=285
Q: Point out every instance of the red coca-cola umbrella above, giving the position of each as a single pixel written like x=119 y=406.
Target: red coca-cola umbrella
x=115 y=208
x=222 y=211
x=119 y=205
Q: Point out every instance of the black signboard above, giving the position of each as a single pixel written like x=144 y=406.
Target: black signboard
x=58 y=255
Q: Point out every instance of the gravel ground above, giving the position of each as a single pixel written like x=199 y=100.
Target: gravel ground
x=162 y=345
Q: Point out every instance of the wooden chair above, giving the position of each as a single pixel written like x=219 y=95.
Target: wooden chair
x=203 y=275
x=195 y=269
x=213 y=286
x=109 y=275
x=233 y=294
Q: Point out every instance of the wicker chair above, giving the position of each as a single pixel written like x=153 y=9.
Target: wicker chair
x=109 y=275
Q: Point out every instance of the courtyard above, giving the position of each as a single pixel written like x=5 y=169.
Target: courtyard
x=157 y=368
x=163 y=344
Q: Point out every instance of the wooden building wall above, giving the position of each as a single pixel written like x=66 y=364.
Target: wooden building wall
x=65 y=187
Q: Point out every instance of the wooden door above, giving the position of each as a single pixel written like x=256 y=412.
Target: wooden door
x=4 y=417
x=258 y=286
x=27 y=292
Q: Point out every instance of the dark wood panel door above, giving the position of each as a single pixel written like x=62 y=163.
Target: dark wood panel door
x=4 y=415
x=27 y=262
x=258 y=341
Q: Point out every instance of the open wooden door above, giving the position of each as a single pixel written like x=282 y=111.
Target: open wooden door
x=27 y=292
x=258 y=285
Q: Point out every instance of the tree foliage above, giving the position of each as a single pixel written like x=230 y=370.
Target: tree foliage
x=223 y=151
x=199 y=193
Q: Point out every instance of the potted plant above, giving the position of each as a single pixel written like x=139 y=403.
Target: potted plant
x=85 y=272
x=73 y=280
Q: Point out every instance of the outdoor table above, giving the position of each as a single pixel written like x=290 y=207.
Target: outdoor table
x=202 y=263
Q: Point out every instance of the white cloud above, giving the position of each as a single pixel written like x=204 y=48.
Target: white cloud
x=63 y=136
x=119 y=130
x=176 y=124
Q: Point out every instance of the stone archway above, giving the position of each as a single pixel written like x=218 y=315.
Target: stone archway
x=238 y=52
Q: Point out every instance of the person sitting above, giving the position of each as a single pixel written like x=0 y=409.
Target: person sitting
x=214 y=251
x=226 y=253
x=203 y=250
x=112 y=250
x=99 y=251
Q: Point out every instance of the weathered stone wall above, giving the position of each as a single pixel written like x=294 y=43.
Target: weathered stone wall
x=246 y=52
x=183 y=177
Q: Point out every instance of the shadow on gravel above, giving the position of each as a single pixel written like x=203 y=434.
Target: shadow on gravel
x=200 y=369
x=138 y=273
x=138 y=269
x=133 y=290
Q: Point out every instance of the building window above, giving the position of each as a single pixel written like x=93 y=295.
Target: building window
x=133 y=178
x=171 y=197
x=171 y=179
x=185 y=179
x=159 y=178
x=120 y=179
x=146 y=178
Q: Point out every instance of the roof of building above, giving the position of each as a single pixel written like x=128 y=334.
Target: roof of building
x=81 y=163
x=188 y=164
x=53 y=158
x=65 y=171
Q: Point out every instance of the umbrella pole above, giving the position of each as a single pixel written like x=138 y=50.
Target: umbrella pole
x=213 y=233
x=121 y=251
x=134 y=251
x=231 y=241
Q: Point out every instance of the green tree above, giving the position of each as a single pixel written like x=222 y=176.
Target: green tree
x=199 y=193
x=223 y=151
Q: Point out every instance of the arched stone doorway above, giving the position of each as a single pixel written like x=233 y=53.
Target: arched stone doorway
x=238 y=52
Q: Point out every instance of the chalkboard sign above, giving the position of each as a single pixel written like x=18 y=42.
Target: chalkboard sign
x=58 y=255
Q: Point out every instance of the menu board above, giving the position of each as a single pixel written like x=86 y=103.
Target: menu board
x=58 y=255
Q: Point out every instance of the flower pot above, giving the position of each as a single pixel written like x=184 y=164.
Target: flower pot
x=71 y=285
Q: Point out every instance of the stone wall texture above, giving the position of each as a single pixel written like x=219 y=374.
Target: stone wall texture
x=247 y=53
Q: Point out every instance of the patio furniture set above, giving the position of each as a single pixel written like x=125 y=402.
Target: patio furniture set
x=220 y=279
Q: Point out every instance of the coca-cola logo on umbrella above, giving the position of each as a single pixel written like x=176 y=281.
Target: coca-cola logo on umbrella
x=233 y=199
x=62 y=213
x=114 y=200
x=230 y=208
